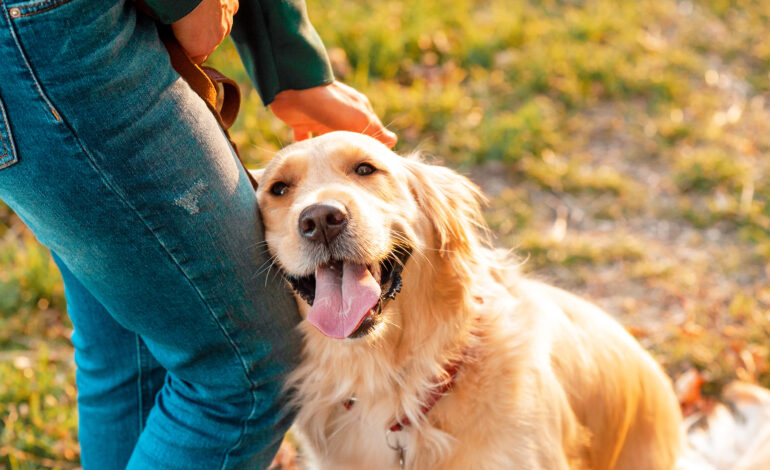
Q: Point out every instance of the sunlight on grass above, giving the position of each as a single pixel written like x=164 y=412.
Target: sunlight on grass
x=623 y=145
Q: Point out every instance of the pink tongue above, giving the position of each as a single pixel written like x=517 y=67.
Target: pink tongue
x=342 y=299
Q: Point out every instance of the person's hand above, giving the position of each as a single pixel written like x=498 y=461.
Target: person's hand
x=204 y=28
x=326 y=108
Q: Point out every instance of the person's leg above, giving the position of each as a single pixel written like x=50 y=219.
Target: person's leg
x=117 y=379
x=124 y=174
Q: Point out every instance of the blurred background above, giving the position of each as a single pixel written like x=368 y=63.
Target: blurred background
x=623 y=145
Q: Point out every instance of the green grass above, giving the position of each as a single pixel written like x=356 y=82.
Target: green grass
x=622 y=143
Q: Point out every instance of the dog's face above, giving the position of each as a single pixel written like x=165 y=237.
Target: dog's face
x=343 y=215
x=340 y=219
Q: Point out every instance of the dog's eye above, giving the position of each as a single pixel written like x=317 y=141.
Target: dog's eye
x=279 y=188
x=365 y=169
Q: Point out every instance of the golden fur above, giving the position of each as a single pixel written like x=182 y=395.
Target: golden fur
x=549 y=381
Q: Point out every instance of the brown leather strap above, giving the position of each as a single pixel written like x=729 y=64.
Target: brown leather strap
x=228 y=96
x=221 y=94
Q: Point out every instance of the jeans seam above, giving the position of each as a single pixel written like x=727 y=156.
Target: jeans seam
x=243 y=430
x=2 y=141
x=4 y=118
x=139 y=383
x=31 y=71
x=111 y=187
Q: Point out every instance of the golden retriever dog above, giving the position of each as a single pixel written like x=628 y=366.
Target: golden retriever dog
x=425 y=348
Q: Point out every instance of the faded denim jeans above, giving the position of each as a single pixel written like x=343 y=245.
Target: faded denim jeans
x=181 y=339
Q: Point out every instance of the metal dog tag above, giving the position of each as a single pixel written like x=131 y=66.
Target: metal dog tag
x=397 y=447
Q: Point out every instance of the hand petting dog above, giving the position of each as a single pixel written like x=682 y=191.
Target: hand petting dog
x=309 y=112
x=333 y=107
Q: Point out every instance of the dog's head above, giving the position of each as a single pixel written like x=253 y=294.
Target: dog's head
x=344 y=217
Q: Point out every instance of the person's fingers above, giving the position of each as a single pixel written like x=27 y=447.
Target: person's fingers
x=354 y=119
x=202 y=30
x=381 y=133
x=387 y=137
x=367 y=104
x=301 y=134
x=199 y=59
x=360 y=117
x=230 y=12
x=357 y=96
x=328 y=108
x=344 y=115
x=373 y=127
x=311 y=129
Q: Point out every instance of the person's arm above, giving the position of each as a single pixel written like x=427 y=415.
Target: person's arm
x=284 y=57
x=287 y=62
x=279 y=47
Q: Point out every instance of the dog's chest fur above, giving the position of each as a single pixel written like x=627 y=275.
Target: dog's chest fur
x=384 y=389
x=358 y=438
x=339 y=438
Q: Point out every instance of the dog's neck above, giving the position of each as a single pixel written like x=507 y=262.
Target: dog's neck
x=435 y=312
x=437 y=319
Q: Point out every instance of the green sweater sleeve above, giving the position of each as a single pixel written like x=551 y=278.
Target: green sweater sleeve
x=168 y=11
x=279 y=47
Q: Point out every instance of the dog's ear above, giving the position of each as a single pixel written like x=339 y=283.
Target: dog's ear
x=452 y=203
x=256 y=174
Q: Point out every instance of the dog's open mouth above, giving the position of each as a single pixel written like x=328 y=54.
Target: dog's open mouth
x=346 y=298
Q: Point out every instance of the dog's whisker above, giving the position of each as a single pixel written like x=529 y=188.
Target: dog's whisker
x=368 y=125
x=266 y=266
x=418 y=253
x=386 y=127
x=268 y=151
x=415 y=250
x=392 y=323
x=258 y=270
x=257 y=244
x=269 y=259
x=390 y=123
x=281 y=145
x=277 y=272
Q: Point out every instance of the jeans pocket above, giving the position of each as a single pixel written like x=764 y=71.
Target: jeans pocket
x=34 y=7
x=7 y=151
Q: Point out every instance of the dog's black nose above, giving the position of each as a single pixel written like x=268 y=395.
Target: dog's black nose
x=322 y=222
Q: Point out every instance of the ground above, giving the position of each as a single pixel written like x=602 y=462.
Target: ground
x=622 y=143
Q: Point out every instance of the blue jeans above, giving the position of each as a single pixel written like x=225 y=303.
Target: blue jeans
x=182 y=335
